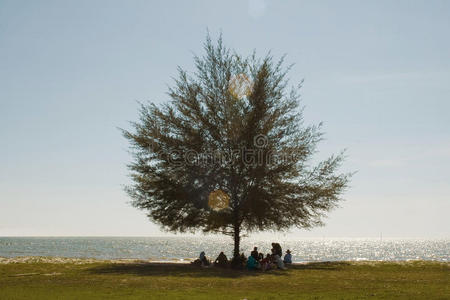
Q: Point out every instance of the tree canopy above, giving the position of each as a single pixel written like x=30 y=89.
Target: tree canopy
x=230 y=153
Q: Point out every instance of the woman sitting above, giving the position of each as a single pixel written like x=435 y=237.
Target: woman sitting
x=221 y=260
x=278 y=261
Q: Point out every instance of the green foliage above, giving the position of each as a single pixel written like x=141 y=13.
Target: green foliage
x=254 y=147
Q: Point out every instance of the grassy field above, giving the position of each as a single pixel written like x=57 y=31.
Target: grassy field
x=139 y=280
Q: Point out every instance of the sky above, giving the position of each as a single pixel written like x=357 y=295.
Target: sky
x=376 y=73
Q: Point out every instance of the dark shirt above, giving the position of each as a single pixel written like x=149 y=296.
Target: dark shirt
x=222 y=260
x=255 y=254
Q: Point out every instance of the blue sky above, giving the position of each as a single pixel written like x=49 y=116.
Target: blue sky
x=376 y=72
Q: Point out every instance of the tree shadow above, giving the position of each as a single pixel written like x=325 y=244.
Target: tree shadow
x=174 y=269
x=323 y=265
x=188 y=270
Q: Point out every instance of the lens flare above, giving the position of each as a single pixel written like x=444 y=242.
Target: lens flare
x=218 y=200
x=240 y=86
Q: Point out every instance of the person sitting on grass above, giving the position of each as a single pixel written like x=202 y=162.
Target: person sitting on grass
x=243 y=259
x=252 y=263
x=255 y=253
x=221 y=260
x=276 y=249
x=204 y=261
x=260 y=257
x=238 y=262
x=278 y=261
x=201 y=260
x=288 y=257
x=266 y=263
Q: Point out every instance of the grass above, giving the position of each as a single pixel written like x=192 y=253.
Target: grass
x=327 y=280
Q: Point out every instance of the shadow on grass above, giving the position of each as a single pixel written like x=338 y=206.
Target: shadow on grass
x=188 y=270
x=325 y=265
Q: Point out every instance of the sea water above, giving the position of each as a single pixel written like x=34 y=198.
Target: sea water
x=188 y=248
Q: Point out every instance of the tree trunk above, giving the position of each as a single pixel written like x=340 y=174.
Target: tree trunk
x=237 y=240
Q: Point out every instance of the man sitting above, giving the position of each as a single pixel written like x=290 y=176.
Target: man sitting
x=255 y=253
x=288 y=257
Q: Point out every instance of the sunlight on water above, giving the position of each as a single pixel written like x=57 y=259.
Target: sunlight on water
x=186 y=248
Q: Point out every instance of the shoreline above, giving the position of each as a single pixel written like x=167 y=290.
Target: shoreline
x=84 y=260
x=187 y=261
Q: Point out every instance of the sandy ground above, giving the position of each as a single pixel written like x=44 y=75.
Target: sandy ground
x=66 y=260
x=80 y=261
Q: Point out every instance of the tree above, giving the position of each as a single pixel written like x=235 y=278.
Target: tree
x=229 y=152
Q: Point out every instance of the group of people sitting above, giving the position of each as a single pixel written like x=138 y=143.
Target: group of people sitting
x=256 y=260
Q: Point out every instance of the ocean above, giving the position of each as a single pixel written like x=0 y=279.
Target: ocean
x=188 y=248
